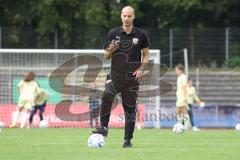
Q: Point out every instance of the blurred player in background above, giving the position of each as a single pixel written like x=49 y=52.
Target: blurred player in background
x=94 y=107
x=40 y=102
x=138 y=119
x=192 y=97
x=128 y=48
x=28 y=90
x=181 y=104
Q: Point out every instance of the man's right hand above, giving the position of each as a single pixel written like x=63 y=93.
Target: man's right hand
x=112 y=47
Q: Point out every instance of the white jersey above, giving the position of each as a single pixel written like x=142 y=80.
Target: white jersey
x=192 y=95
x=28 y=90
x=181 y=99
x=181 y=81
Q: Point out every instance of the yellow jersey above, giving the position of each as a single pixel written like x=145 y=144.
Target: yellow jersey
x=42 y=97
x=192 y=95
x=181 y=81
x=181 y=99
x=28 y=90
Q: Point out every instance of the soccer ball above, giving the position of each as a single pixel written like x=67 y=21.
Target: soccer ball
x=178 y=128
x=1 y=124
x=96 y=141
x=43 y=124
x=237 y=127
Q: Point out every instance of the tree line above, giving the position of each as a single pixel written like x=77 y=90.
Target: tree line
x=90 y=19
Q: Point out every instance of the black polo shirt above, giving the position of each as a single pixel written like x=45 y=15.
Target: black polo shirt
x=127 y=58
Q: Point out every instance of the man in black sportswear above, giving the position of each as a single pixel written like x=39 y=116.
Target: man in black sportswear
x=128 y=48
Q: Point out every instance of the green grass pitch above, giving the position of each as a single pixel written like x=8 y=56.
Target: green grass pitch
x=152 y=144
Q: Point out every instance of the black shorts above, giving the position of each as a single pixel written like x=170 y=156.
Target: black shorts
x=41 y=107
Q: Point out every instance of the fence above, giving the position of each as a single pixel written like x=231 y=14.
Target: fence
x=206 y=47
x=209 y=47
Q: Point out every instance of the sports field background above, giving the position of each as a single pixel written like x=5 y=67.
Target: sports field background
x=209 y=30
x=153 y=144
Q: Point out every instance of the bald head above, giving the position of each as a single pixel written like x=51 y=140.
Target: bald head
x=128 y=9
x=127 y=16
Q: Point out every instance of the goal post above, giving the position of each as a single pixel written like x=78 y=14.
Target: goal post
x=185 y=52
x=15 y=63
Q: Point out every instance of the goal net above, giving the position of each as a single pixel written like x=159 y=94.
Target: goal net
x=16 y=63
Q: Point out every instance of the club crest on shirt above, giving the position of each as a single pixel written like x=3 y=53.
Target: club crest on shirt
x=135 y=41
x=117 y=39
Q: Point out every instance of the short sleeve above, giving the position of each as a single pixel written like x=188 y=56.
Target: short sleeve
x=38 y=89
x=145 y=40
x=109 y=38
x=20 y=83
x=183 y=81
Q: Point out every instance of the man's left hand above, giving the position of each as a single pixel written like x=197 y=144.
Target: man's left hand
x=138 y=74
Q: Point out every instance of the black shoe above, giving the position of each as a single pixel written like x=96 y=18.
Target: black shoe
x=127 y=144
x=102 y=130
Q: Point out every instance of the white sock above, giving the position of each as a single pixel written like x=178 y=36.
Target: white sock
x=24 y=119
x=138 y=125
x=15 y=117
x=179 y=119
x=187 y=121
